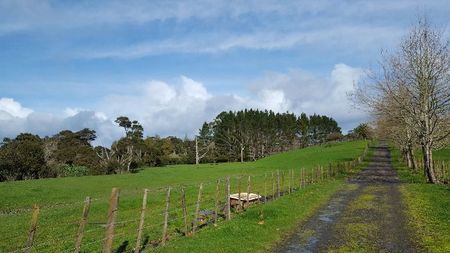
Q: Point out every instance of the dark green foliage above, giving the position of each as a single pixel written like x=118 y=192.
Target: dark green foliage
x=361 y=132
x=22 y=158
x=320 y=127
x=253 y=134
x=68 y=150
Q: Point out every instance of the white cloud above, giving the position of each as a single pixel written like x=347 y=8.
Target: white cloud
x=304 y=92
x=12 y=108
x=69 y=112
x=345 y=37
x=180 y=109
x=15 y=119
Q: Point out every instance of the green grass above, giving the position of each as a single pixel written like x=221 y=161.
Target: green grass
x=428 y=207
x=442 y=154
x=245 y=234
x=61 y=199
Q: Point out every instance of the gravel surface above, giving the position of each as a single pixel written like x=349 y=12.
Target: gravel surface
x=367 y=216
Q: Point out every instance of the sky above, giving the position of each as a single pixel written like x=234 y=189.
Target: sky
x=173 y=65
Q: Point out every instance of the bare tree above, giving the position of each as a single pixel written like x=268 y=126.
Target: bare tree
x=202 y=152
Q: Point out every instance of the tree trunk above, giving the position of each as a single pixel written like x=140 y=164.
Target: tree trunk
x=428 y=163
x=242 y=153
x=413 y=160
x=197 y=158
x=408 y=158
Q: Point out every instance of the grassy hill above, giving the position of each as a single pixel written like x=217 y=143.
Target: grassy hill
x=61 y=199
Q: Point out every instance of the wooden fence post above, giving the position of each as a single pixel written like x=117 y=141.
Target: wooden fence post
x=265 y=188
x=301 y=178
x=248 y=191
x=321 y=173
x=216 y=204
x=445 y=171
x=239 y=194
x=112 y=215
x=273 y=186
x=289 y=181
x=166 y=218
x=83 y=221
x=33 y=227
x=137 y=249
x=183 y=207
x=278 y=183
x=228 y=208
x=329 y=171
x=197 y=209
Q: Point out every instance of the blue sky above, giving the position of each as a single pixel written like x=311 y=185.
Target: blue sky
x=174 y=64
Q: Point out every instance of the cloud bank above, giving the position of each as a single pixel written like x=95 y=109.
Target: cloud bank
x=180 y=108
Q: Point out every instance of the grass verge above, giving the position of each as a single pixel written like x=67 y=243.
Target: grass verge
x=246 y=234
x=428 y=208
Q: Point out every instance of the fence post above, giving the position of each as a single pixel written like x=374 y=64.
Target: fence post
x=445 y=171
x=83 y=221
x=183 y=206
x=197 y=209
x=33 y=227
x=273 y=186
x=265 y=188
x=248 y=191
x=321 y=173
x=261 y=213
x=329 y=171
x=301 y=178
x=289 y=181
x=112 y=215
x=216 y=205
x=239 y=194
x=137 y=249
x=166 y=218
x=278 y=183
x=228 y=208
x=293 y=179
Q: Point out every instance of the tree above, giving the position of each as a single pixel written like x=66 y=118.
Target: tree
x=203 y=142
x=303 y=122
x=128 y=150
x=362 y=131
x=22 y=158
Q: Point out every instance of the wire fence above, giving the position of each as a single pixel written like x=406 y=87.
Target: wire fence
x=150 y=218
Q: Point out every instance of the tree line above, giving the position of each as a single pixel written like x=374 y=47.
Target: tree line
x=232 y=136
x=248 y=135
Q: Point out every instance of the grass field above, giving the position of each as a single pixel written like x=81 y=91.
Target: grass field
x=428 y=206
x=61 y=200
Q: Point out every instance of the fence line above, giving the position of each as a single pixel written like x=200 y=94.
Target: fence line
x=212 y=205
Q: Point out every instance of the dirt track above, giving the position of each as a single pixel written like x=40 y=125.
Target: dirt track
x=367 y=216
